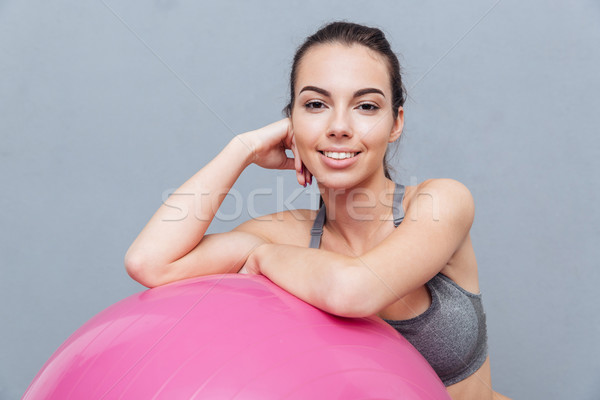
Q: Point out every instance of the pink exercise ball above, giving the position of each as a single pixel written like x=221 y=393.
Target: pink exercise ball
x=232 y=337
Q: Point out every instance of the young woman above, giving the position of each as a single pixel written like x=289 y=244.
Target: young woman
x=374 y=247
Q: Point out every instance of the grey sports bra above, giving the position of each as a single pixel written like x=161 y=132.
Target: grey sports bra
x=451 y=334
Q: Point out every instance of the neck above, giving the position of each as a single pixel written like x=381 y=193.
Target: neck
x=356 y=214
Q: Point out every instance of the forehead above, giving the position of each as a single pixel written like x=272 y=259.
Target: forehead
x=339 y=67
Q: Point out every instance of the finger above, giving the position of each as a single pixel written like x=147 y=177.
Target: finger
x=307 y=176
x=289 y=163
x=299 y=166
x=304 y=174
x=298 y=162
x=300 y=175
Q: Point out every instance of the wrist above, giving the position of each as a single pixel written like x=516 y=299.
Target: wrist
x=244 y=148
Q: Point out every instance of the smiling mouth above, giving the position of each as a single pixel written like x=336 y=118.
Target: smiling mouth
x=338 y=155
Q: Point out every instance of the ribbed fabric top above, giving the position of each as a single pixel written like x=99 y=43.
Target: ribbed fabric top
x=452 y=333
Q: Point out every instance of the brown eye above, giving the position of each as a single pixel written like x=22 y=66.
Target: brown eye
x=368 y=107
x=314 y=105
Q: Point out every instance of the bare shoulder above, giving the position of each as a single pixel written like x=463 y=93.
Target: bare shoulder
x=451 y=204
x=442 y=198
x=445 y=187
x=285 y=227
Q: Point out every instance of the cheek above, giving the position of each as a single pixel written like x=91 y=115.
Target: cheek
x=306 y=144
x=302 y=144
x=307 y=125
x=306 y=131
x=375 y=134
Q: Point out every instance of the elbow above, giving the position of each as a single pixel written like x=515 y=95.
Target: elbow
x=350 y=296
x=140 y=270
x=348 y=309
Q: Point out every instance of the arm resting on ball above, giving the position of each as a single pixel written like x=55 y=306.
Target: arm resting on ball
x=315 y=276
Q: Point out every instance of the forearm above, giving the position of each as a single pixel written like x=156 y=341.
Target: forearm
x=181 y=222
x=321 y=278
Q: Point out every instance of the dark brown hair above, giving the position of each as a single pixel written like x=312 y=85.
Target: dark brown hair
x=348 y=33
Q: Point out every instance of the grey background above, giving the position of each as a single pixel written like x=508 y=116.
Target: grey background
x=106 y=105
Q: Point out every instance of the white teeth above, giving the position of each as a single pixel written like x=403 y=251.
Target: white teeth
x=338 y=156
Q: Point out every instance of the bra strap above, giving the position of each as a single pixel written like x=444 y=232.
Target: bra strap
x=317 y=229
x=398 y=210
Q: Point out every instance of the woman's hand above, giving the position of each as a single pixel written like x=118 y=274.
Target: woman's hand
x=268 y=145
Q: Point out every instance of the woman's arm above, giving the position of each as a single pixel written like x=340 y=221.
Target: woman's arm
x=182 y=220
x=173 y=244
x=437 y=221
x=313 y=275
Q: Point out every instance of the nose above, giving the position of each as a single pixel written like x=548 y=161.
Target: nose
x=340 y=125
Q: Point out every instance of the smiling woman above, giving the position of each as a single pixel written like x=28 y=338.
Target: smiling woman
x=377 y=247
x=345 y=91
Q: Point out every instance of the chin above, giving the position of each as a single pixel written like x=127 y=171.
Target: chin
x=338 y=181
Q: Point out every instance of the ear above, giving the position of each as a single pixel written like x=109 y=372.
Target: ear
x=398 y=126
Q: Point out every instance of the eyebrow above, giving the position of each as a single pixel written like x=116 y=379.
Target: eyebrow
x=358 y=93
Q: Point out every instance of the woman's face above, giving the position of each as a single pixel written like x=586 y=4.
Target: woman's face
x=342 y=115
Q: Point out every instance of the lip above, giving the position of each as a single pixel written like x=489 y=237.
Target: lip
x=339 y=164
